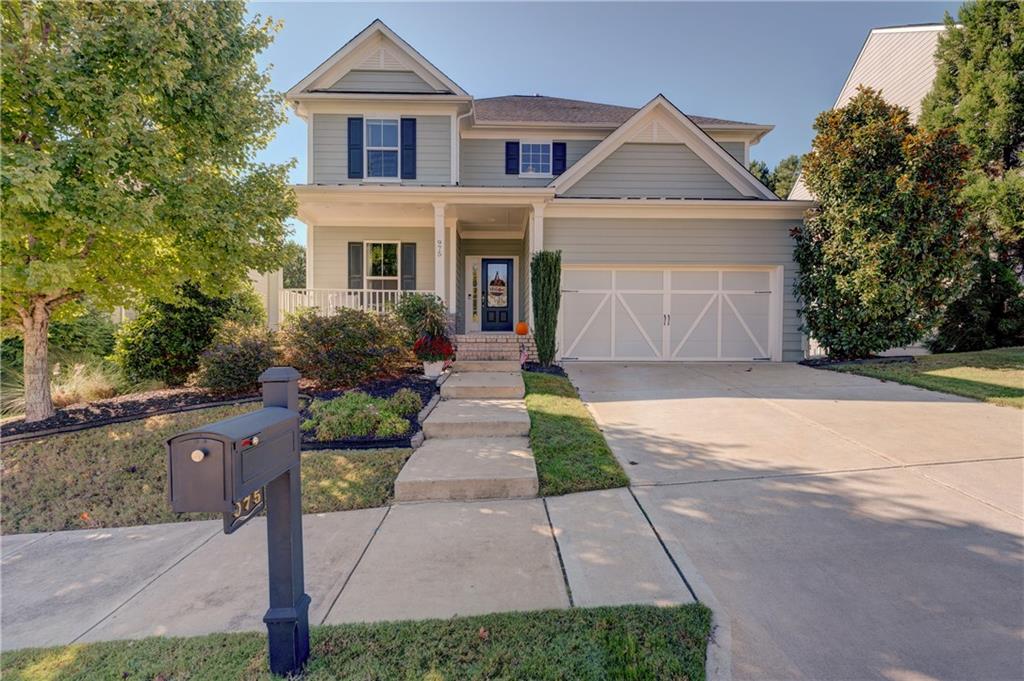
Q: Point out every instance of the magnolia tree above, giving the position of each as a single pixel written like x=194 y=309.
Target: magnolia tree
x=129 y=132
x=886 y=249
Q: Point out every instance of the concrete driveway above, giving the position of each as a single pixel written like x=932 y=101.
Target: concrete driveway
x=841 y=527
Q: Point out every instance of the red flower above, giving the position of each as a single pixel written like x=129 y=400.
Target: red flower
x=432 y=348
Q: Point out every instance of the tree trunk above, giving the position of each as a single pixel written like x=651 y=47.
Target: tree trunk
x=36 y=327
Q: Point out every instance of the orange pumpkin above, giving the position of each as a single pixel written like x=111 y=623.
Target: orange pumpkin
x=522 y=329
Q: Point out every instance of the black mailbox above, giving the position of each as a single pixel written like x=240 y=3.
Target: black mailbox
x=241 y=466
x=220 y=466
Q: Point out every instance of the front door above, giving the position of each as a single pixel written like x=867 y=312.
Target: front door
x=496 y=307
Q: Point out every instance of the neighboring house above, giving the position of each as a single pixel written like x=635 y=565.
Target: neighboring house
x=899 y=61
x=671 y=249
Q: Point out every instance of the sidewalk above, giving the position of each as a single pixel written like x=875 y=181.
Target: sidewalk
x=409 y=561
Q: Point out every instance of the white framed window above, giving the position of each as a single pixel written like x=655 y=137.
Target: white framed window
x=535 y=158
x=382 y=150
x=383 y=265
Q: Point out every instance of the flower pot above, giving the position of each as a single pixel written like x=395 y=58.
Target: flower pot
x=433 y=369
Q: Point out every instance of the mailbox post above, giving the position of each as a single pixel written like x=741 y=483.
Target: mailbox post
x=239 y=466
x=287 y=619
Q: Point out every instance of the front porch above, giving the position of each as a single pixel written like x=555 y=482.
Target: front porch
x=367 y=247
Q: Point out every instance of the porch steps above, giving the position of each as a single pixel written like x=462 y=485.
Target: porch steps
x=483 y=385
x=477 y=418
x=477 y=442
x=487 y=366
x=468 y=468
x=506 y=347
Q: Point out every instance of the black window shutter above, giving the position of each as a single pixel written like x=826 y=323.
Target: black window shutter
x=355 y=264
x=511 y=158
x=408 y=266
x=408 y=148
x=557 y=158
x=355 y=148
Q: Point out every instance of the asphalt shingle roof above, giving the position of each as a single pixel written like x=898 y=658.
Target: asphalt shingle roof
x=543 y=109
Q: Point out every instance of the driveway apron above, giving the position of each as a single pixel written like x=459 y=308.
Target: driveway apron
x=842 y=527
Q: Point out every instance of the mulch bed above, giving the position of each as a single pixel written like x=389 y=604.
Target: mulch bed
x=426 y=388
x=554 y=369
x=826 y=363
x=174 y=400
x=121 y=409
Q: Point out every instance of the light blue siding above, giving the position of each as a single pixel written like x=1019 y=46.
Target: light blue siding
x=483 y=163
x=653 y=170
x=330 y=150
x=381 y=81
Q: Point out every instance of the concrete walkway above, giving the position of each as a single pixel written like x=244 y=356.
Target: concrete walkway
x=477 y=444
x=840 y=527
x=417 y=560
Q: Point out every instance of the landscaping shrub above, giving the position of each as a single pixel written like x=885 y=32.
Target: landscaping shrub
x=546 y=281
x=989 y=315
x=405 y=402
x=73 y=381
x=236 y=359
x=885 y=250
x=354 y=414
x=166 y=339
x=345 y=348
x=417 y=310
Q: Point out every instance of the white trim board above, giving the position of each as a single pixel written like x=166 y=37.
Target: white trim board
x=362 y=46
x=660 y=121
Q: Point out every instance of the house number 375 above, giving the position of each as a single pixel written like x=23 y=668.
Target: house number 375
x=440 y=248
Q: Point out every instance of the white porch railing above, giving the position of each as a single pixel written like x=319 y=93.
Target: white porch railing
x=327 y=300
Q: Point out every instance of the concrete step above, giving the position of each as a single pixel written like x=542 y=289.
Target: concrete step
x=483 y=385
x=468 y=468
x=477 y=418
x=500 y=366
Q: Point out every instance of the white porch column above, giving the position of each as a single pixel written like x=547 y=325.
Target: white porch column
x=537 y=228
x=439 y=251
x=452 y=236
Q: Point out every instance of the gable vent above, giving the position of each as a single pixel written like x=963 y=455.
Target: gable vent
x=653 y=132
x=382 y=59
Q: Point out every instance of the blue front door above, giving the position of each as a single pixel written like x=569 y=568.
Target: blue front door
x=496 y=306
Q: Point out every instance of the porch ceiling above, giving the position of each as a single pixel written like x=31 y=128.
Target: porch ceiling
x=484 y=216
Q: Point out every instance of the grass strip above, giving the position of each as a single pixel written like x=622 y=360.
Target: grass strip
x=570 y=451
x=627 y=642
x=994 y=376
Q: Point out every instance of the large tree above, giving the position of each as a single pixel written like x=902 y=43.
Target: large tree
x=294 y=265
x=129 y=131
x=784 y=176
x=979 y=90
x=886 y=249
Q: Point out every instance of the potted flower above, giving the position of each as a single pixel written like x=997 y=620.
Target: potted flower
x=433 y=351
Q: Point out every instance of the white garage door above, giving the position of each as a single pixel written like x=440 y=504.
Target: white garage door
x=670 y=314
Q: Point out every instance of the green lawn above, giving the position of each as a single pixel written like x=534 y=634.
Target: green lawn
x=995 y=376
x=570 y=451
x=115 y=476
x=630 y=642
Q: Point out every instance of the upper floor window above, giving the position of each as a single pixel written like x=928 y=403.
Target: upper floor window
x=382 y=147
x=535 y=158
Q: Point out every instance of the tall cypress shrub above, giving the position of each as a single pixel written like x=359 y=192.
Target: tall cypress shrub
x=546 y=282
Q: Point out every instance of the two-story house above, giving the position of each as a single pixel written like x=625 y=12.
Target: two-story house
x=671 y=249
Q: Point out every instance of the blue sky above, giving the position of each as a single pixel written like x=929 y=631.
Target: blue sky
x=763 y=62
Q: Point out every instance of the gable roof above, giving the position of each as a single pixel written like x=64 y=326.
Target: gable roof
x=561 y=111
x=897 y=60
x=375 y=47
x=660 y=121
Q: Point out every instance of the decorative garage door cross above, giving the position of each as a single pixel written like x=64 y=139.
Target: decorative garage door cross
x=667 y=314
